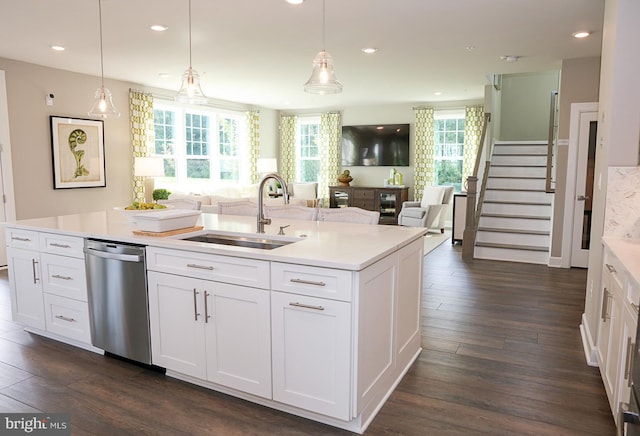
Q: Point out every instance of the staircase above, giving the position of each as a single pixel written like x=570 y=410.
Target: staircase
x=515 y=222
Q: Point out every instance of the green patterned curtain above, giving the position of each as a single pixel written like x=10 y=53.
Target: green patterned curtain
x=288 y=125
x=142 y=133
x=330 y=153
x=425 y=151
x=473 y=119
x=253 y=138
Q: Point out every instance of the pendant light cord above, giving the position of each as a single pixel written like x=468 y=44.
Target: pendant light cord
x=324 y=42
x=101 y=55
x=190 y=34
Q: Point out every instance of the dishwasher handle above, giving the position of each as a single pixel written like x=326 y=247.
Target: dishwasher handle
x=116 y=256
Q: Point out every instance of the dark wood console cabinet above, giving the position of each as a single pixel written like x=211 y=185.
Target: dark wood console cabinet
x=387 y=201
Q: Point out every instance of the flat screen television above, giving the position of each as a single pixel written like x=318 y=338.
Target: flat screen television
x=375 y=145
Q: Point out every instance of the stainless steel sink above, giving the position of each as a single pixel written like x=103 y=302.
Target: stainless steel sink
x=239 y=241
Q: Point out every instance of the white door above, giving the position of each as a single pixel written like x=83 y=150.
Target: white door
x=27 y=305
x=583 y=199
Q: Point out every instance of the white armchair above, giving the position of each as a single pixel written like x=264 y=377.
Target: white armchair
x=430 y=211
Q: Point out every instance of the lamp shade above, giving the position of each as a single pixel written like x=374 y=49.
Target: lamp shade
x=148 y=167
x=267 y=165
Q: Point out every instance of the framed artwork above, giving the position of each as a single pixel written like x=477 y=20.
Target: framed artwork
x=77 y=152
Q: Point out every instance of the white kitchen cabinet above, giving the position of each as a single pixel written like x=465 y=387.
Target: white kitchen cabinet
x=27 y=304
x=176 y=309
x=311 y=342
x=212 y=331
x=48 y=284
x=616 y=330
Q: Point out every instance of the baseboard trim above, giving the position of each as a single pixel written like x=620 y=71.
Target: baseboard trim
x=587 y=343
x=555 y=262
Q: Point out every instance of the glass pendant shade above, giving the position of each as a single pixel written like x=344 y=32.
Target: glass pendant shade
x=102 y=101
x=323 y=77
x=190 y=91
x=103 y=104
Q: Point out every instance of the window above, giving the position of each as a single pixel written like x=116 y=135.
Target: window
x=449 y=145
x=200 y=147
x=308 y=149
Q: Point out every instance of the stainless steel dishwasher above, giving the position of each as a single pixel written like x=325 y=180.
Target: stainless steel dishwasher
x=118 y=299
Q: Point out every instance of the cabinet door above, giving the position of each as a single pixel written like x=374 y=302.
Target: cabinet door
x=176 y=312
x=27 y=304
x=609 y=347
x=628 y=336
x=238 y=337
x=311 y=340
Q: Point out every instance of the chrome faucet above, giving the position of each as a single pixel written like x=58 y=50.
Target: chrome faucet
x=285 y=194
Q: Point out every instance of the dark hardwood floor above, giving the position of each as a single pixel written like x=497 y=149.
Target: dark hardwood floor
x=502 y=356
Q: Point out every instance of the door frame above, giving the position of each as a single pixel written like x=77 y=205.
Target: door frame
x=577 y=109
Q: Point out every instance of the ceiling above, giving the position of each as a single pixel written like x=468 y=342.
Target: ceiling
x=259 y=52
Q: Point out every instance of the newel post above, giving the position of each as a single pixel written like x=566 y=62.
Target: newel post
x=469 y=234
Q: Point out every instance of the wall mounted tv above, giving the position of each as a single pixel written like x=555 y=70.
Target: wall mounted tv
x=375 y=145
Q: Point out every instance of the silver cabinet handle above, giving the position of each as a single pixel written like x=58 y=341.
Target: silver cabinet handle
x=18 y=238
x=308 y=282
x=605 y=298
x=195 y=265
x=611 y=268
x=306 y=306
x=58 y=276
x=33 y=266
x=635 y=307
x=583 y=198
x=195 y=304
x=64 y=318
x=627 y=362
x=55 y=244
x=206 y=308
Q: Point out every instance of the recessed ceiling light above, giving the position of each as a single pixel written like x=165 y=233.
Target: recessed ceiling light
x=295 y=2
x=369 y=50
x=57 y=48
x=581 y=34
x=159 y=28
x=510 y=58
x=164 y=75
x=437 y=93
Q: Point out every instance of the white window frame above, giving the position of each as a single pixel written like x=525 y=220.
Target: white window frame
x=447 y=115
x=181 y=183
x=307 y=120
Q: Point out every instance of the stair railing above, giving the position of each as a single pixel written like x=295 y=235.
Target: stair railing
x=474 y=201
x=551 y=145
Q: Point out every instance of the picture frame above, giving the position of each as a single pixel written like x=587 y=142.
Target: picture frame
x=77 y=152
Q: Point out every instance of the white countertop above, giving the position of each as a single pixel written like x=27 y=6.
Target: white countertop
x=334 y=245
x=628 y=252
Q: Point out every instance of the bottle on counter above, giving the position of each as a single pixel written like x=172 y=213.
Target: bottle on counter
x=392 y=176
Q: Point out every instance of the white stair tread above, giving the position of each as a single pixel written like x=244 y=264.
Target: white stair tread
x=512 y=246
x=522 y=217
x=518 y=231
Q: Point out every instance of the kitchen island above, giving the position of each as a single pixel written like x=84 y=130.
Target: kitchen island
x=323 y=327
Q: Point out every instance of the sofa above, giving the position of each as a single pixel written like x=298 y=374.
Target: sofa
x=304 y=194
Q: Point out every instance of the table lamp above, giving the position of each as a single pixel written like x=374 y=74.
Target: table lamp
x=148 y=168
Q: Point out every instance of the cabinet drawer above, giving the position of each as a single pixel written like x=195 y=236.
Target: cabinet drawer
x=61 y=244
x=234 y=270
x=68 y=318
x=64 y=276
x=363 y=194
x=312 y=281
x=19 y=238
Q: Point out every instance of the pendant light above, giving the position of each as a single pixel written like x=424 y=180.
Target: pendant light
x=190 y=91
x=103 y=104
x=323 y=77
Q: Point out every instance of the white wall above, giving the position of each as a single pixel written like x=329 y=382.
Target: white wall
x=525 y=105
